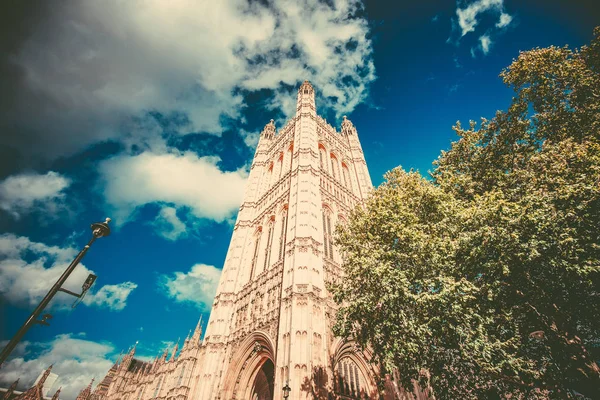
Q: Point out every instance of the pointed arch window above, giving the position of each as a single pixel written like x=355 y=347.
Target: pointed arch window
x=280 y=166
x=269 y=244
x=327 y=237
x=158 y=385
x=282 y=233
x=334 y=166
x=141 y=392
x=348 y=379
x=269 y=177
x=346 y=175
x=181 y=375
x=322 y=157
x=291 y=155
x=255 y=254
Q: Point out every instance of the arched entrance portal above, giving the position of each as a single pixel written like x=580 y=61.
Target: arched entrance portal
x=262 y=389
x=251 y=373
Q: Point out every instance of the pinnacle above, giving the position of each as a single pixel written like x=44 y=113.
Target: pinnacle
x=304 y=85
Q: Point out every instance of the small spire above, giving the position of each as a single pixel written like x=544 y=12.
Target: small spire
x=306 y=83
x=120 y=358
x=174 y=352
x=132 y=349
x=164 y=354
x=269 y=130
x=197 y=333
x=85 y=393
x=45 y=376
x=347 y=127
x=199 y=324
x=56 y=394
x=11 y=390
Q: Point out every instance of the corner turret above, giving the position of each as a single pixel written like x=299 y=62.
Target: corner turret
x=348 y=128
x=306 y=99
x=268 y=131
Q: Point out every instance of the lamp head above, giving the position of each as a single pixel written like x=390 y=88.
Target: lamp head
x=89 y=282
x=100 y=229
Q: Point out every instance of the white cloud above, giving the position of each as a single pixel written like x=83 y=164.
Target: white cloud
x=76 y=361
x=467 y=17
x=111 y=296
x=470 y=16
x=485 y=43
x=198 y=286
x=505 y=20
x=20 y=193
x=250 y=138
x=168 y=225
x=89 y=67
x=26 y=281
x=183 y=179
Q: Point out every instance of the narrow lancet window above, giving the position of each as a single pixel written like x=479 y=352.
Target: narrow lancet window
x=157 y=391
x=141 y=393
x=282 y=235
x=269 y=245
x=325 y=237
x=181 y=375
x=255 y=255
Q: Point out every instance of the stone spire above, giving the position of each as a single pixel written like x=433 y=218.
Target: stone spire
x=120 y=358
x=163 y=358
x=187 y=339
x=57 y=394
x=128 y=358
x=174 y=351
x=10 y=390
x=197 y=333
x=85 y=393
x=45 y=376
x=36 y=392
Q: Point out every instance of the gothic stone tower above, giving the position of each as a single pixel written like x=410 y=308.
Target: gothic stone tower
x=272 y=315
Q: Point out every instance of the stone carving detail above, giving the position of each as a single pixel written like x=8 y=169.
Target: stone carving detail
x=257 y=349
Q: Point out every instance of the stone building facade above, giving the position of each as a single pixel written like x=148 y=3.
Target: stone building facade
x=271 y=319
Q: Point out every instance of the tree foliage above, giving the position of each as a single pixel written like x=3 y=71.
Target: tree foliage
x=484 y=281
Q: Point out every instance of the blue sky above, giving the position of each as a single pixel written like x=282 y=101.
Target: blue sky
x=149 y=114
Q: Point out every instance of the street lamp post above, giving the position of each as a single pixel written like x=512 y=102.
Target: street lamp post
x=286 y=390
x=99 y=229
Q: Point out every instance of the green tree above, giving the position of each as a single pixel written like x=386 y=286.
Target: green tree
x=484 y=281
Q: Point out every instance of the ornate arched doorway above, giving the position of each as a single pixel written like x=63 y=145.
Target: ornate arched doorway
x=262 y=389
x=251 y=373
